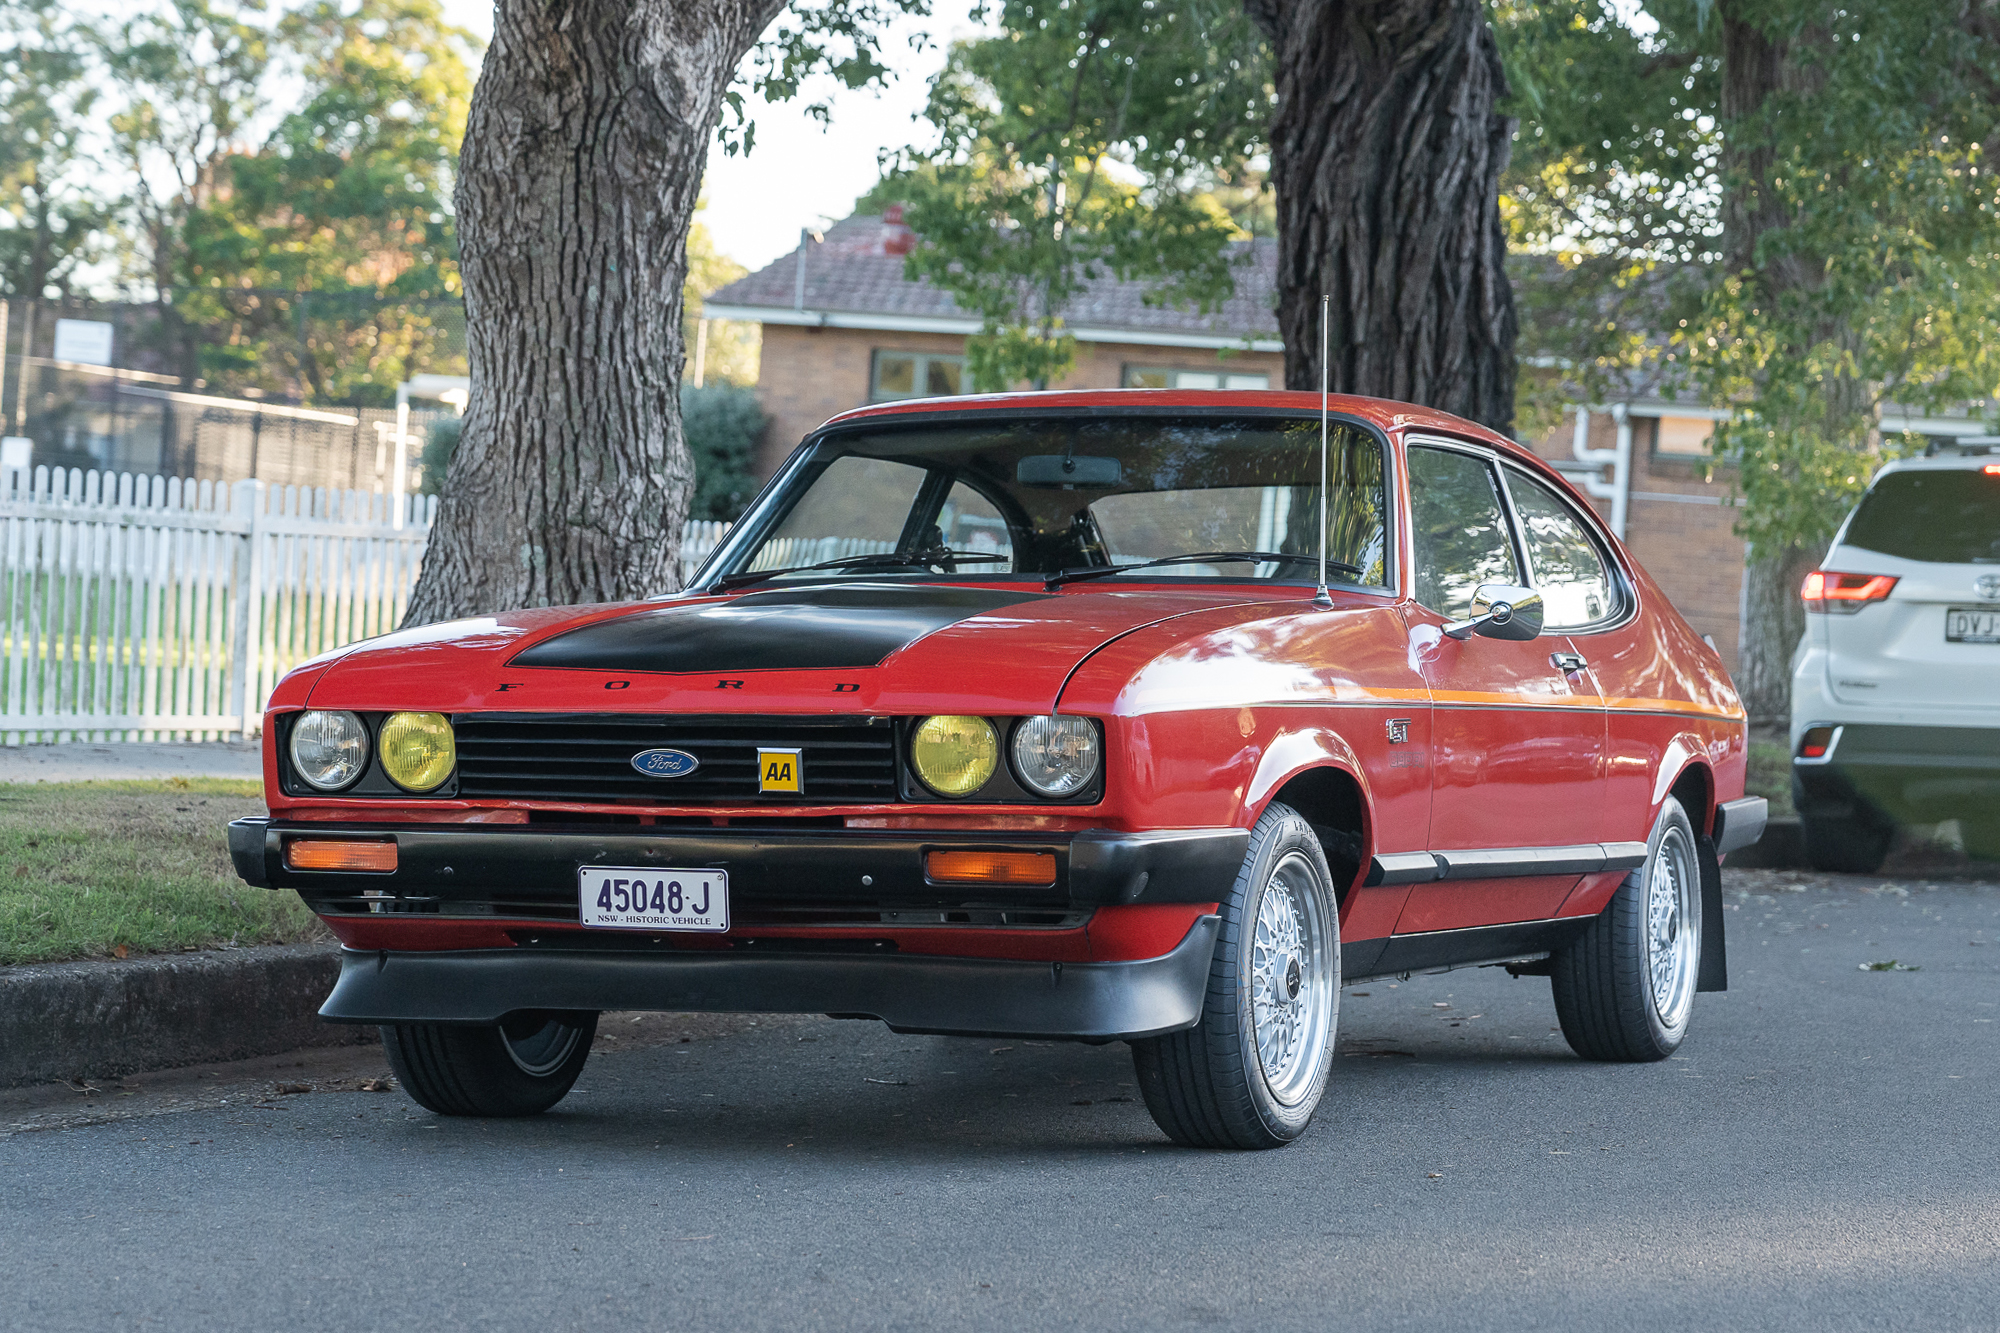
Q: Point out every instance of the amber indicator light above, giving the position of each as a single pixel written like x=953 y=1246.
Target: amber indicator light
x=343 y=854
x=991 y=867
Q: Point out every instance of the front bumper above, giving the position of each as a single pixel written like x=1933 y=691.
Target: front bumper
x=956 y=996
x=1905 y=774
x=532 y=869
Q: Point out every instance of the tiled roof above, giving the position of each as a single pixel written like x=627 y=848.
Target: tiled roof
x=856 y=271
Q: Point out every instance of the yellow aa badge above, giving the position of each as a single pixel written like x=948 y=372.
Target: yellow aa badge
x=779 y=770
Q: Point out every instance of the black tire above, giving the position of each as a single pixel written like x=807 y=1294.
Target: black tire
x=1624 y=989
x=1213 y=1085
x=521 y=1066
x=1853 y=846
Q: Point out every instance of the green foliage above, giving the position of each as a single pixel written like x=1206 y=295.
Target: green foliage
x=723 y=424
x=1878 y=284
x=190 y=77
x=1078 y=143
x=1872 y=279
x=350 y=193
x=834 y=40
x=1612 y=196
x=439 y=445
x=49 y=212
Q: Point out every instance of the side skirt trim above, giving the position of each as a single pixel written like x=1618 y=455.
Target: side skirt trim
x=1504 y=862
x=1440 y=950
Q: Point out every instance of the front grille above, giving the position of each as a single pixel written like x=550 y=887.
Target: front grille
x=588 y=757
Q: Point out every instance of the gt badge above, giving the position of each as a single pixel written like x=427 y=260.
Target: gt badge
x=779 y=770
x=1399 y=730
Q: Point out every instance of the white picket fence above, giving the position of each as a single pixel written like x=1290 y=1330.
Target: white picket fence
x=153 y=608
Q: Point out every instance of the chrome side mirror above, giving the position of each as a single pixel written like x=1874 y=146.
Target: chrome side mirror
x=1501 y=611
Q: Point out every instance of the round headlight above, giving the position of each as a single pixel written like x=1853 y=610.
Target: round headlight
x=329 y=750
x=955 y=755
x=1056 y=756
x=417 y=750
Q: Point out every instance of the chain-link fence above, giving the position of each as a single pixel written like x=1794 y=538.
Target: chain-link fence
x=293 y=388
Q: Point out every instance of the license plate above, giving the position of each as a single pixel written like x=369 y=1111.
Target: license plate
x=1971 y=624
x=634 y=898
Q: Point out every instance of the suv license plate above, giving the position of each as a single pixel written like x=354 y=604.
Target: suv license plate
x=1972 y=624
x=648 y=898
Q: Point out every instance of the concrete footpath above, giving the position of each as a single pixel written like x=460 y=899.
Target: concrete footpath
x=131 y=761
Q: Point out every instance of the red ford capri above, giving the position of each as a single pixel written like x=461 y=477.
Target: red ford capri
x=1152 y=717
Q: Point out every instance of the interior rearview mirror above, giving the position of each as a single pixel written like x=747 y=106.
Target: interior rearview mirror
x=1501 y=611
x=1068 y=470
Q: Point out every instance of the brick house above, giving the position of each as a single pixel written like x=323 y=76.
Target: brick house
x=843 y=327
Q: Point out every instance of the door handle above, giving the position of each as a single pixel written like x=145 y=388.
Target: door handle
x=1567 y=663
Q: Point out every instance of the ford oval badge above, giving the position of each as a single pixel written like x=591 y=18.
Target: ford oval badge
x=665 y=763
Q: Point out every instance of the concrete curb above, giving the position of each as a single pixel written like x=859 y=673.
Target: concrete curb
x=103 y=1019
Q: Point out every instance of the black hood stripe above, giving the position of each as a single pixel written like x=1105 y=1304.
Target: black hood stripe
x=784 y=630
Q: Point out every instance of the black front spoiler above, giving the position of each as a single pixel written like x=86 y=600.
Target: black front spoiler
x=984 y=997
x=465 y=862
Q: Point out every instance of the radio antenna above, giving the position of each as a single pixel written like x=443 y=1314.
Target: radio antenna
x=1322 y=597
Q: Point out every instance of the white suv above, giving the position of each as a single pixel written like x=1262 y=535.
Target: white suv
x=1896 y=685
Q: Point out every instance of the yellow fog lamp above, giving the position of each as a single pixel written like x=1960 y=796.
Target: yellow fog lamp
x=954 y=755
x=417 y=749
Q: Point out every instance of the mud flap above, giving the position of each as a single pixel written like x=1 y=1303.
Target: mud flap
x=1714 y=973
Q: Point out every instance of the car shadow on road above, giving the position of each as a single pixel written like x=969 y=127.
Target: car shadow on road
x=917 y=1100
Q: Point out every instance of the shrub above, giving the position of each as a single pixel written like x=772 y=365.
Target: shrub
x=723 y=423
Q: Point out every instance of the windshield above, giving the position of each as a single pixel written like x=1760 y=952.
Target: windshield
x=1023 y=499
x=1949 y=517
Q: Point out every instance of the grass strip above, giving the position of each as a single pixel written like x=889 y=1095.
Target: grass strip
x=106 y=869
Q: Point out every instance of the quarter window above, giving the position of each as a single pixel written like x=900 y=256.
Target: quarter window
x=1567 y=566
x=1460 y=530
x=915 y=375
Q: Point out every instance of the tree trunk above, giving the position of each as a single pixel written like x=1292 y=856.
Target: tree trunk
x=584 y=150
x=1774 y=620
x=1386 y=155
x=1756 y=67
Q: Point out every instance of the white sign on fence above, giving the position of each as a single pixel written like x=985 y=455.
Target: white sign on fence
x=156 y=607
x=85 y=341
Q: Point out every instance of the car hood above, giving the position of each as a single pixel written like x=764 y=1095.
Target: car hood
x=847 y=647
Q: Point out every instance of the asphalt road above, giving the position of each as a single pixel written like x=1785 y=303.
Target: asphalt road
x=1822 y=1154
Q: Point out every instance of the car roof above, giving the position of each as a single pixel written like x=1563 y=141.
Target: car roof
x=1938 y=463
x=1380 y=412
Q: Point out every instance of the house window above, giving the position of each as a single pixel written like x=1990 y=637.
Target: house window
x=1162 y=377
x=915 y=375
x=1681 y=437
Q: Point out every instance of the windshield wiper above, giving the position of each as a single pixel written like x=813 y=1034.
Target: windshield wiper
x=873 y=560
x=1060 y=577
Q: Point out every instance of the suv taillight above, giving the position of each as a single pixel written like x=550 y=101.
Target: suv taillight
x=1843 y=594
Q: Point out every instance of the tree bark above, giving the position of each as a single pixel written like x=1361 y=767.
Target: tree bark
x=1757 y=66
x=584 y=151
x=1386 y=154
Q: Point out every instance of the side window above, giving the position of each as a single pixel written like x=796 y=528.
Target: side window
x=1460 y=530
x=858 y=506
x=969 y=522
x=1568 y=567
